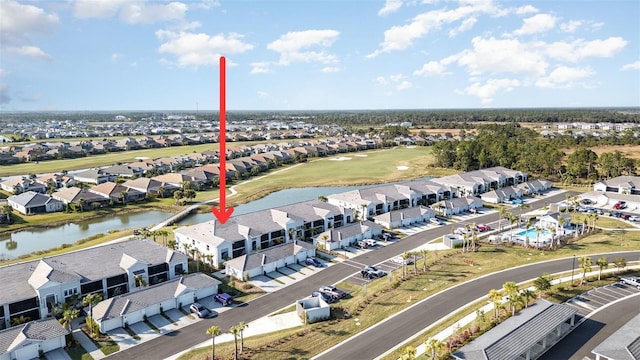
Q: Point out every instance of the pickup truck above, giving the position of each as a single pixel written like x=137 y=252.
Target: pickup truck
x=371 y=272
x=332 y=291
x=631 y=281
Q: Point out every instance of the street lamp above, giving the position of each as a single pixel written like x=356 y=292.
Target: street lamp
x=573 y=266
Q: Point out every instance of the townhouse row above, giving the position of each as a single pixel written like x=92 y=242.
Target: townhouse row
x=345 y=217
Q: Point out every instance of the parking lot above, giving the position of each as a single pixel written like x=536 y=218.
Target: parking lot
x=598 y=297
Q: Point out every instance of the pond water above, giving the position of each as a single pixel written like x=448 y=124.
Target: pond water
x=26 y=242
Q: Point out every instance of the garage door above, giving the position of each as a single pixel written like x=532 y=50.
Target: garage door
x=153 y=310
x=203 y=293
x=134 y=317
x=28 y=352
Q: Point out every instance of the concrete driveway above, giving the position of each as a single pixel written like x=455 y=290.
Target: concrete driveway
x=57 y=354
x=122 y=338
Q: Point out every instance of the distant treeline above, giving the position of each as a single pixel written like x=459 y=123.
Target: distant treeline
x=435 y=119
x=524 y=149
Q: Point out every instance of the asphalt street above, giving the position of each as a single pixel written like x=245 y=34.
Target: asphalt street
x=432 y=310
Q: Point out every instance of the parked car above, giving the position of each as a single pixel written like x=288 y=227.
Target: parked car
x=517 y=201
x=631 y=280
x=399 y=260
x=198 y=309
x=136 y=232
x=620 y=205
x=435 y=221
x=313 y=261
x=460 y=231
x=483 y=227
x=371 y=272
x=361 y=244
x=634 y=218
x=370 y=242
x=586 y=202
x=224 y=299
x=625 y=216
x=333 y=291
x=326 y=297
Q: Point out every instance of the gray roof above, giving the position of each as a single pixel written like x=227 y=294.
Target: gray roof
x=626 y=181
x=39 y=330
x=87 y=264
x=269 y=255
x=518 y=333
x=134 y=301
x=31 y=199
x=408 y=213
x=624 y=344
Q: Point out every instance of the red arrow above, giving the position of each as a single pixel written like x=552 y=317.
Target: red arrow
x=223 y=213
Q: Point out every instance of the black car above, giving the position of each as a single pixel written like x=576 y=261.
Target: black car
x=313 y=261
x=326 y=297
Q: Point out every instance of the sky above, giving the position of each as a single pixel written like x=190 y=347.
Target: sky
x=111 y=55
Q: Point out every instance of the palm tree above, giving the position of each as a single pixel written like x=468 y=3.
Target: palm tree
x=542 y=283
x=496 y=298
x=90 y=300
x=512 y=291
x=433 y=345
x=620 y=263
x=213 y=331
x=241 y=327
x=585 y=265
x=602 y=263
x=501 y=214
x=424 y=253
x=325 y=238
x=67 y=318
x=292 y=231
x=512 y=221
x=123 y=198
x=20 y=320
x=81 y=204
x=405 y=257
x=235 y=331
x=409 y=353
x=527 y=295
x=553 y=231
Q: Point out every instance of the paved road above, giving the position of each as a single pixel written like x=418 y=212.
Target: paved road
x=378 y=340
x=578 y=344
x=192 y=335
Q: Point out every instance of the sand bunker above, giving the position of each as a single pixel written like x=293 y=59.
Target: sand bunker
x=362 y=155
x=341 y=158
x=402 y=168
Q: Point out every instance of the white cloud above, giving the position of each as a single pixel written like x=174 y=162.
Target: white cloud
x=486 y=91
x=527 y=9
x=390 y=6
x=19 y=23
x=402 y=37
x=31 y=51
x=466 y=25
x=537 y=24
x=580 y=49
x=404 y=85
x=432 y=68
x=564 y=76
x=262 y=94
x=571 y=26
x=196 y=49
x=330 y=69
x=260 y=68
x=291 y=46
x=130 y=12
x=502 y=55
x=632 y=66
x=396 y=77
x=381 y=80
x=115 y=57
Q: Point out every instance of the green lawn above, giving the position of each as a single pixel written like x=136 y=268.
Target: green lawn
x=370 y=167
x=386 y=296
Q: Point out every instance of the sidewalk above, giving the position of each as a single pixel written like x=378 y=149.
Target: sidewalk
x=261 y=326
x=84 y=340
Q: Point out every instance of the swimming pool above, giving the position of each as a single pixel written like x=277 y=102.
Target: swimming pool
x=531 y=234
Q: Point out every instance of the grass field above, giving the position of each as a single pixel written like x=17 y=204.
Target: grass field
x=388 y=295
x=370 y=167
x=630 y=151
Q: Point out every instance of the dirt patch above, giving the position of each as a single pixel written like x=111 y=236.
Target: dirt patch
x=630 y=151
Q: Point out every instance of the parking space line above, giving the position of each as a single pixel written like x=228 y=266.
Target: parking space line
x=611 y=290
x=605 y=295
x=598 y=299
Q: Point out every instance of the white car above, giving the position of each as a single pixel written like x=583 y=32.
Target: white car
x=634 y=218
x=435 y=221
x=370 y=242
x=399 y=260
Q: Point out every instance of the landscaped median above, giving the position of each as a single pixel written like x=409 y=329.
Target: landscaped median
x=384 y=297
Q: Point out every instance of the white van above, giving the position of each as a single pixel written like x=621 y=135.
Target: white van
x=631 y=280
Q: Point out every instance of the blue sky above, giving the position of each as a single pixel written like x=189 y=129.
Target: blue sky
x=318 y=55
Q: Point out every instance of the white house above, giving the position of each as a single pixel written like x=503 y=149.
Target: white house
x=457 y=205
x=629 y=185
x=404 y=217
x=26 y=341
x=30 y=203
x=338 y=238
x=134 y=307
x=269 y=260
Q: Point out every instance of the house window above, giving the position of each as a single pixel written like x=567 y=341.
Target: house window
x=207 y=247
x=193 y=242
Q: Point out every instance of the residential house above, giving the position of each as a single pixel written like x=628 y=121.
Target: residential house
x=33 y=288
x=93 y=176
x=27 y=341
x=151 y=187
x=58 y=180
x=404 y=217
x=628 y=185
x=532 y=187
x=130 y=308
x=339 y=238
x=124 y=171
x=457 y=205
x=118 y=193
x=80 y=197
x=17 y=185
x=502 y=194
x=269 y=260
x=30 y=203
x=177 y=180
